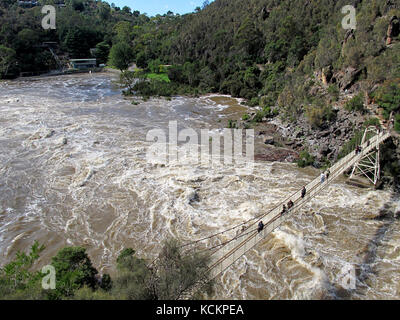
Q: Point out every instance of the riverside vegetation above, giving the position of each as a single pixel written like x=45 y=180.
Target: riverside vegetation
x=169 y=277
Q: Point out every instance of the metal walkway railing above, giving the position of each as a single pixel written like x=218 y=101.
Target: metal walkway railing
x=249 y=236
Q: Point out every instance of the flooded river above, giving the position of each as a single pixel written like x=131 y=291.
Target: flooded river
x=73 y=171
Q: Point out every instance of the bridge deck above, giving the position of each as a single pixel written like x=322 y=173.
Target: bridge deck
x=248 y=238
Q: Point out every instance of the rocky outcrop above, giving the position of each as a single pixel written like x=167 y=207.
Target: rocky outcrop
x=325 y=143
x=324 y=76
x=349 y=35
x=345 y=79
x=277 y=154
x=269 y=140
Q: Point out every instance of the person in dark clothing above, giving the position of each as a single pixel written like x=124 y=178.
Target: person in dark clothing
x=290 y=204
x=327 y=174
x=283 y=209
x=303 y=192
x=260 y=226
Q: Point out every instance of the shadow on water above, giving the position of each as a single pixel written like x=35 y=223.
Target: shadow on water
x=366 y=269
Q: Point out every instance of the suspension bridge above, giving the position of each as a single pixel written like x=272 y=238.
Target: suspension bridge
x=364 y=161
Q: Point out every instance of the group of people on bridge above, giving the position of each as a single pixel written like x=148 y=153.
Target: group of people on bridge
x=286 y=208
x=324 y=177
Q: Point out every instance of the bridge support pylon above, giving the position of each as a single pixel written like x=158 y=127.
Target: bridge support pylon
x=368 y=166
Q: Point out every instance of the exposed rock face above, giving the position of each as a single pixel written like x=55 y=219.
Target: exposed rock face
x=326 y=75
x=327 y=142
x=349 y=35
x=345 y=79
x=277 y=154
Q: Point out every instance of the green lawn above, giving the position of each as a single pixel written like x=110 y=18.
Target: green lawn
x=158 y=76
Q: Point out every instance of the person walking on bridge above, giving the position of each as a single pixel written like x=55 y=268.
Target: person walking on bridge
x=283 y=210
x=327 y=174
x=260 y=226
x=303 y=192
x=322 y=178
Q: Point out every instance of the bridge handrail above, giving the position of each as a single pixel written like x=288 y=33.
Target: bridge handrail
x=219 y=259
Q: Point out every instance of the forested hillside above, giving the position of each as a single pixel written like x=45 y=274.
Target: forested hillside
x=294 y=55
x=80 y=25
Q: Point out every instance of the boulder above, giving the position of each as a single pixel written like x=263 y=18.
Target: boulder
x=324 y=150
x=323 y=134
x=269 y=140
x=49 y=134
x=62 y=141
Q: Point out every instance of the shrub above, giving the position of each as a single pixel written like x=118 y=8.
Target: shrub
x=178 y=273
x=318 y=114
x=254 y=102
x=158 y=76
x=372 y=122
x=246 y=117
x=388 y=97
x=397 y=123
x=259 y=116
x=154 y=66
x=305 y=159
x=73 y=271
x=16 y=279
x=333 y=91
x=267 y=101
x=356 y=103
x=232 y=124
x=133 y=280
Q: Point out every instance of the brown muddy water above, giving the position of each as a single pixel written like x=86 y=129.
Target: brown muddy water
x=73 y=171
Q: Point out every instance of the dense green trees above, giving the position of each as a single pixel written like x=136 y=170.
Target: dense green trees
x=102 y=52
x=17 y=281
x=120 y=55
x=388 y=97
x=169 y=277
x=73 y=271
x=81 y=25
x=7 y=60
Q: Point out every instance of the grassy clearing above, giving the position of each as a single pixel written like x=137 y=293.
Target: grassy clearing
x=159 y=76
